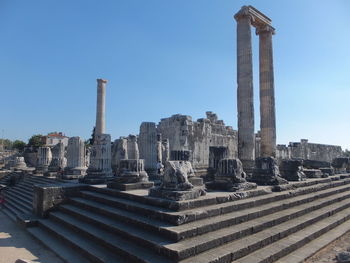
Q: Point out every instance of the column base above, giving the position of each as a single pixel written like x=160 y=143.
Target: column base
x=266 y=172
x=174 y=195
x=97 y=177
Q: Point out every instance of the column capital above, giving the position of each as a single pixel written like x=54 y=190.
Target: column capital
x=102 y=81
x=265 y=29
x=244 y=13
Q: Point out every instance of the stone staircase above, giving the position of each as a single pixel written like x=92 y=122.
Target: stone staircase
x=105 y=225
x=19 y=198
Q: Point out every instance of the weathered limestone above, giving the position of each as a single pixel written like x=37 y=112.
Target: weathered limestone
x=245 y=103
x=266 y=172
x=100 y=106
x=76 y=162
x=341 y=165
x=119 y=152
x=208 y=139
x=44 y=159
x=292 y=170
x=267 y=92
x=100 y=168
x=58 y=162
x=20 y=163
x=231 y=177
x=181 y=155
x=148 y=145
x=309 y=151
x=124 y=148
x=246 y=17
x=131 y=175
x=175 y=183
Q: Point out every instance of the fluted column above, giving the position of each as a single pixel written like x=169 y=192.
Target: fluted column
x=245 y=103
x=100 y=108
x=267 y=92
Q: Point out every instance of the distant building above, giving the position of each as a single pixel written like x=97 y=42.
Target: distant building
x=55 y=137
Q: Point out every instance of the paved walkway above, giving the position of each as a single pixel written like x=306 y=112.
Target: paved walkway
x=16 y=243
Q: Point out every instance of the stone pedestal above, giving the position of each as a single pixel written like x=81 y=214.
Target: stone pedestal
x=292 y=170
x=19 y=163
x=230 y=177
x=148 y=146
x=75 y=159
x=341 y=165
x=327 y=171
x=131 y=175
x=58 y=162
x=313 y=173
x=44 y=159
x=175 y=183
x=100 y=169
x=266 y=172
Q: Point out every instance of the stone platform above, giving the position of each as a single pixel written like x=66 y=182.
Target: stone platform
x=130 y=186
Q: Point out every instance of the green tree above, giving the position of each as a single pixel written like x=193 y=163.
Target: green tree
x=92 y=139
x=346 y=153
x=19 y=145
x=6 y=143
x=36 y=140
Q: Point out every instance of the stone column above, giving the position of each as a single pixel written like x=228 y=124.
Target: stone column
x=76 y=160
x=245 y=103
x=267 y=92
x=100 y=166
x=100 y=109
x=148 y=145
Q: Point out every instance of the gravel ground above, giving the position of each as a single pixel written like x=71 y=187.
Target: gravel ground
x=16 y=243
x=328 y=254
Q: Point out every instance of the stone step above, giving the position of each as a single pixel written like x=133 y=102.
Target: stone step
x=139 y=236
x=192 y=246
x=181 y=217
x=308 y=250
x=19 y=192
x=10 y=211
x=228 y=219
x=40 y=180
x=123 y=247
x=59 y=247
x=24 y=189
x=301 y=239
x=210 y=198
x=239 y=248
x=14 y=210
x=23 y=200
x=19 y=204
x=125 y=216
x=91 y=251
x=201 y=243
x=191 y=229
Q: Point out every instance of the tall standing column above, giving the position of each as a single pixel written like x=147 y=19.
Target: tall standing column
x=100 y=110
x=245 y=103
x=267 y=92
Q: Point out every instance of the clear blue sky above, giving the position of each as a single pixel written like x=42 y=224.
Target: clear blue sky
x=164 y=57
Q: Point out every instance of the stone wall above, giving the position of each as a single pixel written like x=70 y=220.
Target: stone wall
x=314 y=151
x=307 y=151
x=207 y=139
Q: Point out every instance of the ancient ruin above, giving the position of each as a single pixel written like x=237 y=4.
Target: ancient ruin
x=76 y=159
x=100 y=168
x=183 y=190
x=44 y=159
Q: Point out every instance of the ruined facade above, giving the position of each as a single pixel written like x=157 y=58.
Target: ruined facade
x=309 y=151
x=207 y=140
